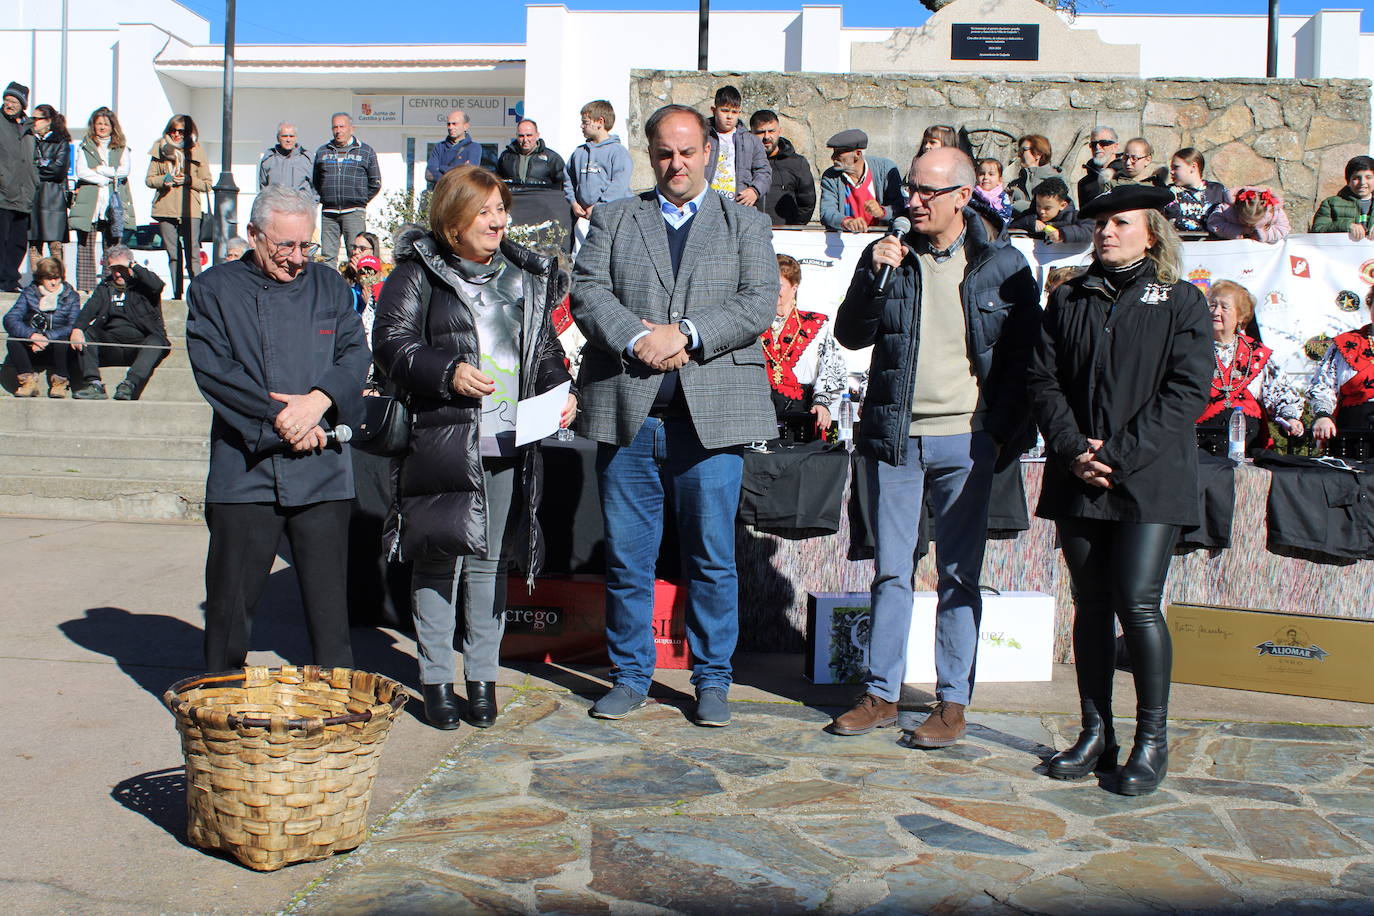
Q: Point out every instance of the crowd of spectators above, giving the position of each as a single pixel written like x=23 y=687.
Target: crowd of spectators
x=754 y=165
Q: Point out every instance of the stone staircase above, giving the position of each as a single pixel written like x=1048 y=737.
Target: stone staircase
x=102 y=460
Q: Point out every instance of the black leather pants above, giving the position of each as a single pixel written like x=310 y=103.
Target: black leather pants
x=1117 y=570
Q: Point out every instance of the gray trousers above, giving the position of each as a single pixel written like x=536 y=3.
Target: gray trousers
x=956 y=474
x=434 y=591
x=173 y=238
x=336 y=225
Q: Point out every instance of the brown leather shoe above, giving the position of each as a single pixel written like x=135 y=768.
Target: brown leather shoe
x=59 y=388
x=28 y=385
x=869 y=713
x=943 y=727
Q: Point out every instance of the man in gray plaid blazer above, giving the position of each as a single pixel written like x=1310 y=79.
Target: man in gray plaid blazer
x=672 y=289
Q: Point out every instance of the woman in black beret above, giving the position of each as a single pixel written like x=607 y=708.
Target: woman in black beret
x=1121 y=372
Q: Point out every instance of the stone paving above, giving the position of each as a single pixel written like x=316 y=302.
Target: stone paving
x=554 y=812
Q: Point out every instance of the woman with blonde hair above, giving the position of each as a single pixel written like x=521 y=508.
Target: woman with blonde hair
x=103 y=206
x=179 y=167
x=1120 y=374
x=463 y=326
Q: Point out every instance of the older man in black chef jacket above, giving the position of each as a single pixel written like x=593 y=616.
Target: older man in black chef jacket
x=279 y=353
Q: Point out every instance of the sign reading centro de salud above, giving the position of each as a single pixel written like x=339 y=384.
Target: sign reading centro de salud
x=432 y=110
x=994 y=41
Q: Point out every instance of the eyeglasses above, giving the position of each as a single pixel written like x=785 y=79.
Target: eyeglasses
x=927 y=193
x=363 y=247
x=1102 y=143
x=1130 y=158
x=307 y=249
x=176 y=130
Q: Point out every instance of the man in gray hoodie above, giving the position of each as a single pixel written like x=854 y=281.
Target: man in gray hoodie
x=18 y=177
x=287 y=164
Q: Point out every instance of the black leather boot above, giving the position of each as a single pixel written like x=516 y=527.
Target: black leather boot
x=1096 y=748
x=441 y=706
x=481 y=703
x=1149 y=760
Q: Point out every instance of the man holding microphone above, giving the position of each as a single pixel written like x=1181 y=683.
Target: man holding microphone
x=279 y=353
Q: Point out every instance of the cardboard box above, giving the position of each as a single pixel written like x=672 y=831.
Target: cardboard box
x=1296 y=654
x=1016 y=639
x=564 y=621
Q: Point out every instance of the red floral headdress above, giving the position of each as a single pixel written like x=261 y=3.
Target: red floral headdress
x=1263 y=195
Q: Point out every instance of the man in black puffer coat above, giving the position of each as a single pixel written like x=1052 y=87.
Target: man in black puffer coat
x=964 y=301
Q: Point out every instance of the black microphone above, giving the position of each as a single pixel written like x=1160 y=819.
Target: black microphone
x=900 y=227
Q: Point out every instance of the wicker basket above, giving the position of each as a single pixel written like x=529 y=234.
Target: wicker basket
x=280 y=761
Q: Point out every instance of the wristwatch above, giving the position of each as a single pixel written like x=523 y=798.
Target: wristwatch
x=685 y=327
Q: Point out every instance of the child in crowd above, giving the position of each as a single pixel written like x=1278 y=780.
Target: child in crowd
x=1352 y=210
x=1250 y=213
x=1194 y=197
x=737 y=168
x=1054 y=218
x=598 y=170
x=990 y=188
x=938 y=135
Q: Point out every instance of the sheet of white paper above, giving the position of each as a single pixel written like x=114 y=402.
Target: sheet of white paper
x=539 y=416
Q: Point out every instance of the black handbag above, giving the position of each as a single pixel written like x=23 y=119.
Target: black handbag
x=384 y=428
x=386 y=419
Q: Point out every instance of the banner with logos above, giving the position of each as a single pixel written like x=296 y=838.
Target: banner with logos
x=1307 y=288
x=432 y=110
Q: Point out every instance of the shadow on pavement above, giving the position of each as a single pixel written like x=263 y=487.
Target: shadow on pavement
x=158 y=795
x=147 y=647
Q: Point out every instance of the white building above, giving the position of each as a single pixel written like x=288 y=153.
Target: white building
x=148 y=59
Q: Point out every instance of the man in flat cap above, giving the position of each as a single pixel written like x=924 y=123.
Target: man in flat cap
x=859 y=192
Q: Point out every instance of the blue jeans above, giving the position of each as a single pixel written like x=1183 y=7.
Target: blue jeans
x=957 y=473
x=667 y=460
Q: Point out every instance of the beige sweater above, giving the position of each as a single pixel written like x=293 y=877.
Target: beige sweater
x=946 y=400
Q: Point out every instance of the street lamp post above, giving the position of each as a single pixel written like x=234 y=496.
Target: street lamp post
x=226 y=191
x=1271 y=63
x=703 y=33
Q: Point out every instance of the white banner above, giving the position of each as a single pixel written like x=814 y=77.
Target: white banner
x=1308 y=288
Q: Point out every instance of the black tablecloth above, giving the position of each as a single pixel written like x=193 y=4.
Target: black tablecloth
x=1217 y=483
x=794 y=491
x=1317 y=512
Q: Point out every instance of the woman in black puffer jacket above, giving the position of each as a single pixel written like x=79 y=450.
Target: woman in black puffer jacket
x=1122 y=370
x=463 y=327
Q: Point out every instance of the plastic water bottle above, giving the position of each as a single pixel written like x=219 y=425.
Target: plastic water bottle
x=846 y=421
x=1235 y=436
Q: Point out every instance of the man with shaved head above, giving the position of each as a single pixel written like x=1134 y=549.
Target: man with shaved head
x=287 y=164
x=457 y=148
x=952 y=311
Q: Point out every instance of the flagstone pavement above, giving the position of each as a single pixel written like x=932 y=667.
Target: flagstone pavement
x=551 y=811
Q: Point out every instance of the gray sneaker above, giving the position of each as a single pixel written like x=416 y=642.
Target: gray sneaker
x=713 y=709
x=618 y=703
x=91 y=391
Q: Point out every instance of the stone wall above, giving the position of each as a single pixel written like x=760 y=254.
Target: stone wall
x=1293 y=135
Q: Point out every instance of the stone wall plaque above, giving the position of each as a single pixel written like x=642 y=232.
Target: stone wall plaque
x=994 y=41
